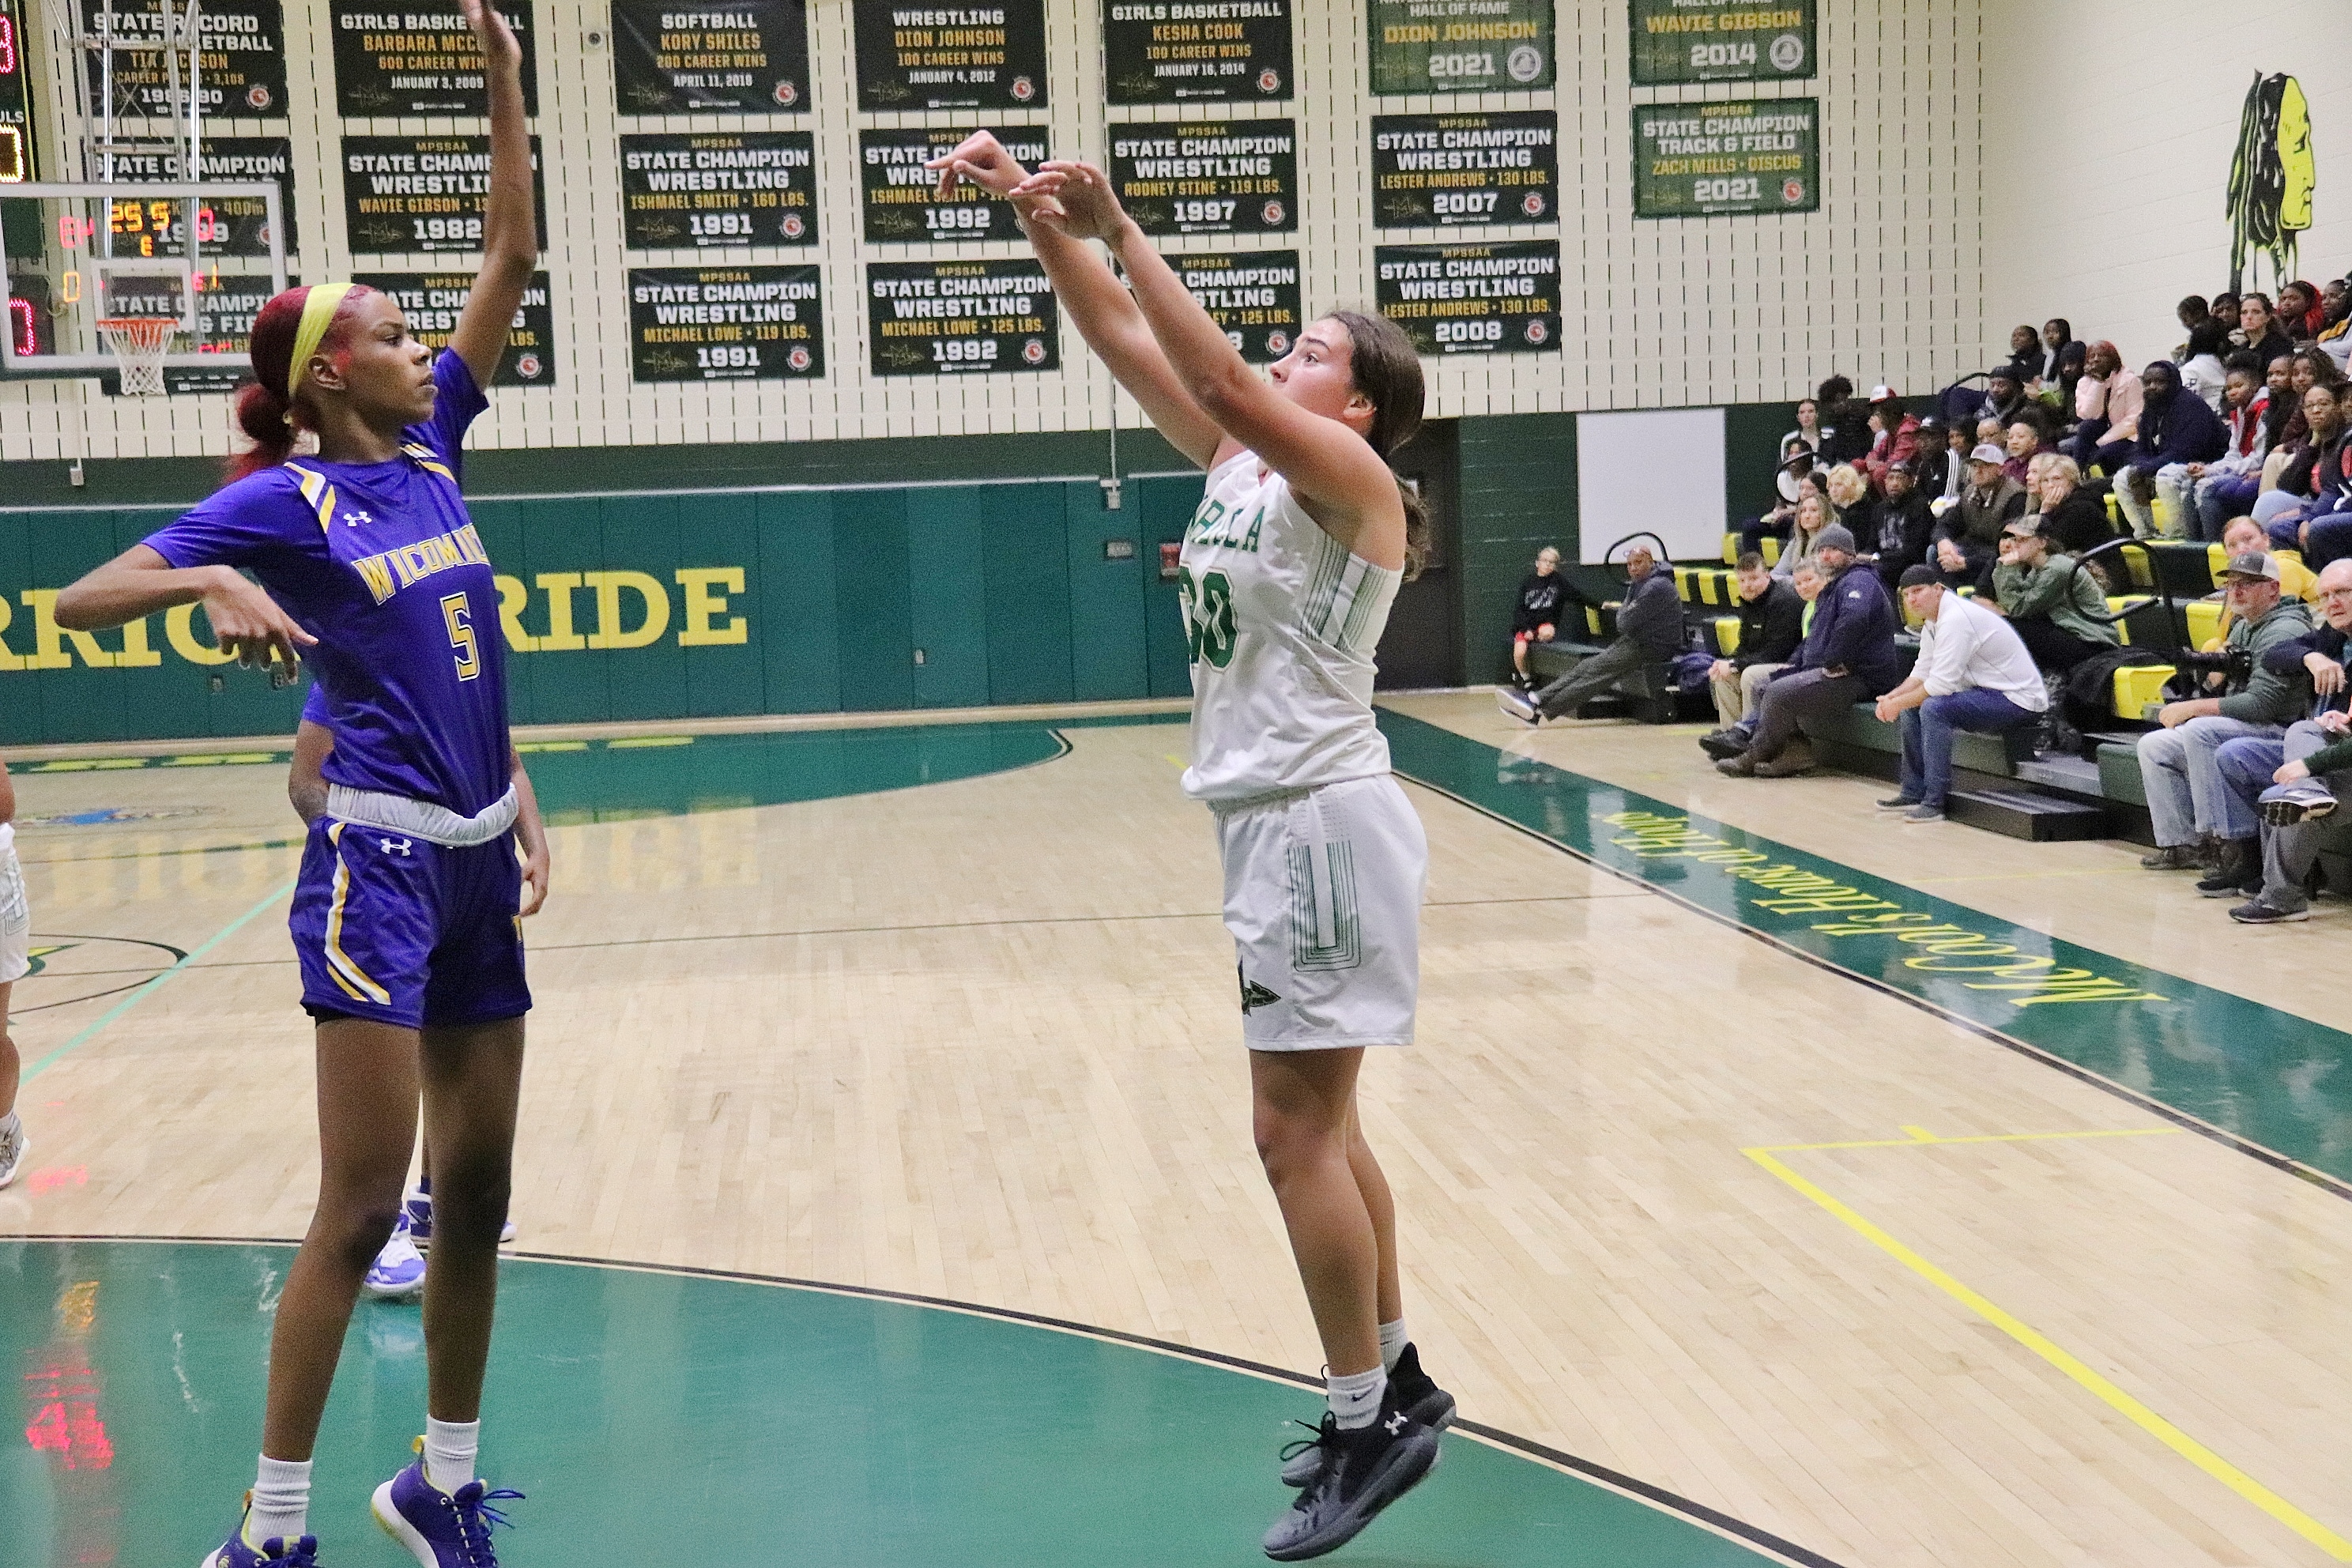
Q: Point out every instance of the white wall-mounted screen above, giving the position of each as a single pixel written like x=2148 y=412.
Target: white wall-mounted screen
x=1660 y=469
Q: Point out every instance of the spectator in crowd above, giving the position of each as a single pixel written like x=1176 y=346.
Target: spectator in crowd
x=2058 y=338
x=2176 y=429
x=2225 y=488
x=1894 y=436
x=1933 y=459
x=1771 y=622
x=2259 y=330
x=1545 y=598
x=1807 y=437
x=2027 y=357
x=1959 y=441
x=1902 y=528
x=2071 y=517
x=2107 y=404
x=2022 y=440
x=2298 y=780
x=2203 y=371
x=1849 y=497
x=1813 y=515
x=1973 y=674
x=2334 y=338
x=2225 y=310
x=2004 y=393
x=2298 y=313
x=2244 y=536
x=1845 y=424
x=2288 y=380
x=2315 y=480
x=1789 y=483
x=1649 y=633
x=2053 y=608
x=2189 y=802
x=1848 y=654
x=2193 y=310
x=1969 y=537
x=1991 y=432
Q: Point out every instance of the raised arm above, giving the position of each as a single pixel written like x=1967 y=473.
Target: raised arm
x=1094 y=298
x=136 y=583
x=509 y=235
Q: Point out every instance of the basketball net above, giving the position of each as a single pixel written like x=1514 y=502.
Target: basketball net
x=139 y=345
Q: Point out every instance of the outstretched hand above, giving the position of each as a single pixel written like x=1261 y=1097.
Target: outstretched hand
x=491 y=32
x=1084 y=206
x=250 y=625
x=982 y=159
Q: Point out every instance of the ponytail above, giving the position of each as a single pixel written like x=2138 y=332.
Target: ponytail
x=1387 y=370
x=266 y=409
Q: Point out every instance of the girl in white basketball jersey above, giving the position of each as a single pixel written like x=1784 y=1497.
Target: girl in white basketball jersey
x=1288 y=574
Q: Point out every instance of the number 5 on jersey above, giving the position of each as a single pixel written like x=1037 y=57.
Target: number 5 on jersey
x=461 y=635
x=1208 y=616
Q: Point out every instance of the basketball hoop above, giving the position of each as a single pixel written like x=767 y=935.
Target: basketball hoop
x=139 y=345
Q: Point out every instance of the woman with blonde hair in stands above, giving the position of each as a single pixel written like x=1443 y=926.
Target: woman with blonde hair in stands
x=1849 y=494
x=1813 y=514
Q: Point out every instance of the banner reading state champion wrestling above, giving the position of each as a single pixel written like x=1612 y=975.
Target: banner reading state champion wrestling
x=1677 y=41
x=729 y=57
x=421 y=60
x=1443 y=170
x=243 y=71
x=1208 y=176
x=730 y=323
x=433 y=301
x=1460 y=45
x=1741 y=155
x=952 y=318
x=950 y=56
x=1502 y=298
x=701 y=189
x=899 y=198
x=1253 y=295
x=426 y=194
x=1183 y=51
x=236 y=225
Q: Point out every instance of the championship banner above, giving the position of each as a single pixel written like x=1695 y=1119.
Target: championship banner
x=733 y=323
x=1440 y=171
x=1252 y=294
x=433 y=301
x=226 y=226
x=1745 y=155
x=425 y=194
x=1461 y=46
x=1678 y=41
x=740 y=57
x=898 y=198
x=912 y=56
x=951 y=318
x=241 y=74
x=701 y=189
x=1208 y=176
x=1183 y=51
x=420 y=59
x=1502 y=298
x=225 y=308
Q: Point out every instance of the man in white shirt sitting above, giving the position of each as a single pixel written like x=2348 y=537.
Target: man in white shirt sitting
x=1973 y=674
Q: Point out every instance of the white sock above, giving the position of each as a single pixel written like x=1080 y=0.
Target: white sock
x=281 y=1501
x=450 y=1447
x=1393 y=1338
x=1356 y=1398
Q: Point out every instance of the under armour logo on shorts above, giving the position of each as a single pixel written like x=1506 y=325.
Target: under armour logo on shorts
x=394 y=845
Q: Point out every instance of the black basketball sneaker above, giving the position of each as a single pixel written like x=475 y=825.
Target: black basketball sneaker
x=1416 y=1391
x=1366 y=1470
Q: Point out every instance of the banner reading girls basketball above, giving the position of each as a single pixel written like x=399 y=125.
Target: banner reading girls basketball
x=952 y=318
x=1183 y=51
x=432 y=301
x=1253 y=295
x=1201 y=176
x=1502 y=298
x=1461 y=46
x=1677 y=41
x=422 y=59
x=243 y=74
x=732 y=57
x=1743 y=156
x=950 y=56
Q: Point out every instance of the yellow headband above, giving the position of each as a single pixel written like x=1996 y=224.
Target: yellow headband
x=319 y=309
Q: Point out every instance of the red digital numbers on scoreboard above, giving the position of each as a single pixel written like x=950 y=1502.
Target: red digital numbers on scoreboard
x=20 y=326
x=8 y=44
x=16 y=111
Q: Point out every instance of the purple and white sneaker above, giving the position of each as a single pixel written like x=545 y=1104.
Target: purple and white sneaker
x=439 y=1529
x=302 y=1552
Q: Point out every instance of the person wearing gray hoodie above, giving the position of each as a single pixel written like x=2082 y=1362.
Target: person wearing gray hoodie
x=1649 y=633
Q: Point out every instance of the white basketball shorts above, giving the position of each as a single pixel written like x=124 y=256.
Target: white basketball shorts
x=15 y=918
x=1323 y=893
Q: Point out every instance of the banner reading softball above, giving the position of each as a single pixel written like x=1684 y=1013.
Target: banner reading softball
x=1502 y=298
x=1679 y=41
x=1461 y=46
x=1745 y=155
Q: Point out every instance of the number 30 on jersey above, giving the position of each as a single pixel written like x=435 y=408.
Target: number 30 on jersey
x=1208 y=607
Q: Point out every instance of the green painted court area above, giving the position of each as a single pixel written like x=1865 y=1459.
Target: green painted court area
x=672 y=1418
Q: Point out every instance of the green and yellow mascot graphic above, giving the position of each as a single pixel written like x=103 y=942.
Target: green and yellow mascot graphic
x=2271 y=180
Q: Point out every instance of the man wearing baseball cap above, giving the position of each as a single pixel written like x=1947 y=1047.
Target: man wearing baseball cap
x=2188 y=801
x=1973 y=674
x=1968 y=538
x=2299 y=782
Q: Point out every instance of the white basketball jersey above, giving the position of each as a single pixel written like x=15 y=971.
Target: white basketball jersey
x=1282 y=621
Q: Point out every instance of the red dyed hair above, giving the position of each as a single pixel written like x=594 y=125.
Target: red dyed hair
x=264 y=411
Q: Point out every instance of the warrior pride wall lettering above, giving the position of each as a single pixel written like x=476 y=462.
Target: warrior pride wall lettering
x=950 y=56
x=736 y=323
x=1253 y=295
x=1181 y=52
x=433 y=301
x=1447 y=171
x=421 y=59
x=1677 y=41
x=1502 y=298
x=956 y=318
x=899 y=197
x=241 y=72
x=1461 y=46
x=1208 y=176
x=1743 y=156
x=426 y=194
x=741 y=56
x=226 y=226
x=700 y=192
x=624 y=610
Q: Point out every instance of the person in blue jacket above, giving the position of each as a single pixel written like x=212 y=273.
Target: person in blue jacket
x=1848 y=657
x=2177 y=427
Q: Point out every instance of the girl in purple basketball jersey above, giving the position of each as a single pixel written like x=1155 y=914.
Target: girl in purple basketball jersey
x=405 y=917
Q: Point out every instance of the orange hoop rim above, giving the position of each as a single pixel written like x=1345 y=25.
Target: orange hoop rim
x=143 y=331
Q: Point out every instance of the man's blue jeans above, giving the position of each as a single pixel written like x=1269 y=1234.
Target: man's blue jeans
x=1927 y=737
